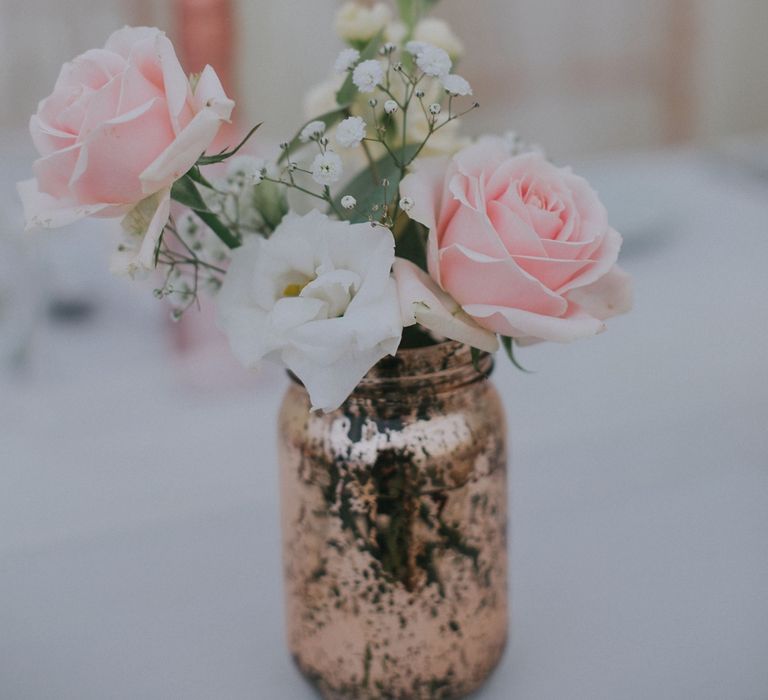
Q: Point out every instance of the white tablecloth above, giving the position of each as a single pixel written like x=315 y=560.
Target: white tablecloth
x=139 y=540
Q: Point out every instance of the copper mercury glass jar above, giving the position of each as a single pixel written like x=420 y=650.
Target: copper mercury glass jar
x=394 y=516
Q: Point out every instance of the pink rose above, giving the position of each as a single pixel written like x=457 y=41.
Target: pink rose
x=524 y=247
x=123 y=123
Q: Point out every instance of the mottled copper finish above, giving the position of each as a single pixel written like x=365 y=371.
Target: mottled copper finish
x=394 y=530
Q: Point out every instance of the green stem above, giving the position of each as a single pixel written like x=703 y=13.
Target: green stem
x=215 y=224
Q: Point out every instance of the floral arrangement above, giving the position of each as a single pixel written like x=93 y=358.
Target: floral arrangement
x=376 y=227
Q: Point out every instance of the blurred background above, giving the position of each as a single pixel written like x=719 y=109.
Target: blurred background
x=139 y=550
x=582 y=77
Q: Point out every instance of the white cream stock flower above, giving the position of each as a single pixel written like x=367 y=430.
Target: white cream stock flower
x=318 y=297
x=357 y=23
x=435 y=31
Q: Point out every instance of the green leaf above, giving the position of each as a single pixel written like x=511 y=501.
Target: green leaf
x=329 y=119
x=412 y=243
x=185 y=192
x=219 y=157
x=411 y=11
x=369 y=192
x=508 y=344
x=348 y=91
x=476 y=355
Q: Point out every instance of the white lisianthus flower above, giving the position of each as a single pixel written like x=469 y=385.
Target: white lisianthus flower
x=423 y=302
x=456 y=85
x=346 y=59
x=327 y=168
x=434 y=61
x=355 y=22
x=437 y=32
x=311 y=131
x=367 y=75
x=351 y=132
x=318 y=297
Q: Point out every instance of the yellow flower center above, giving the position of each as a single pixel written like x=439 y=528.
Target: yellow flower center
x=293 y=290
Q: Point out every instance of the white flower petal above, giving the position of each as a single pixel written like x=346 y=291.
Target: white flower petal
x=422 y=301
x=321 y=295
x=43 y=211
x=189 y=145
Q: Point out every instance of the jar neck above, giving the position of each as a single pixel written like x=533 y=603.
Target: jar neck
x=437 y=368
x=411 y=372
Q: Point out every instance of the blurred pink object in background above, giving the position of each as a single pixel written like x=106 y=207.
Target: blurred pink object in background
x=205 y=35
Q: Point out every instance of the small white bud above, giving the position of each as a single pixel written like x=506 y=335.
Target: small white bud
x=348 y=202
x=390 y=107
x=434 y=109
x=420 y=93
x=406 y=204
x=373 y=102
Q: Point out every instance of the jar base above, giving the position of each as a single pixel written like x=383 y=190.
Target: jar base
x=433 y=689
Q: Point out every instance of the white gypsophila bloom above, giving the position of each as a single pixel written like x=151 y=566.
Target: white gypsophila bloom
x=327 y=168
x=433 y=61
x=246 y=170
x=415 y=47
x=367 y=75
x=346 y=59
x=351 y=132
x=437 y=32
x=357 y=23
x=456 y=85
x=316 y=296
x=406 y=204
x=435 y=109
x=390 y=107
x=312 y=131
x=348 y=201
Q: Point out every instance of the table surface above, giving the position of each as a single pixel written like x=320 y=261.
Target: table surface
x=139 y=530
